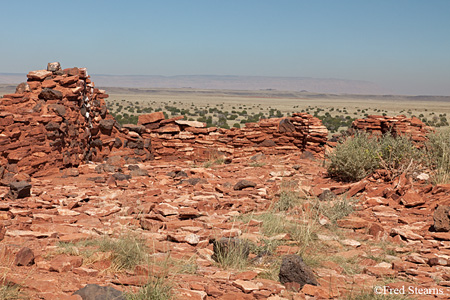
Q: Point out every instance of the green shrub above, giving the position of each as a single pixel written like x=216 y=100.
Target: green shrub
x=438 y=155
x=399 y=154
x=354 y=158
x=360 y=155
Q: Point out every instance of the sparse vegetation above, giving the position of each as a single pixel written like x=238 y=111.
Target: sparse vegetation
x=214 y=158
x=155 y=289
x=11 y=292
x=360 y=155
x=438 y=155
x=232 y=254
x=289 y=197
x=355 y=158
x=335 y=210
x=8 y=291
x=126 y=251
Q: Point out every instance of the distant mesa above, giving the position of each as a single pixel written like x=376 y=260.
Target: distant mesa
x=223 y=82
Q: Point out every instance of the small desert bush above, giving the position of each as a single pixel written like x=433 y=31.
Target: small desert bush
x=438 y=155
x=399 y=154
x=360 y=155
x=354 y=158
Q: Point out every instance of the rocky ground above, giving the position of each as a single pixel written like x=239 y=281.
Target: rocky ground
x=353 y=236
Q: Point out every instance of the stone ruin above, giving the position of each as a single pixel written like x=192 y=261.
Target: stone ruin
x=59 y=119
x=399 y=125
x=176 y=137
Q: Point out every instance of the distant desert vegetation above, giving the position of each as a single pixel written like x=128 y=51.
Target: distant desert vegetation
x=234 y=108
x=228 y=108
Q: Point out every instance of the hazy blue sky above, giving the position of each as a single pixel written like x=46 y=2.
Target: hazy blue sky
x=403 y=45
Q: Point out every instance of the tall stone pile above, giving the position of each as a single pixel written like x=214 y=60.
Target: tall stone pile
x=399 y=125
x=177 y=138
x=59 y=119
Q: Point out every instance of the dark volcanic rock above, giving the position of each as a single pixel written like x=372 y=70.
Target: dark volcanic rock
x=441 y=218
x=19 y=189
x=136 y=171
x=242 y=184
x=293 y=269
x=50 y=94
x=97 y=292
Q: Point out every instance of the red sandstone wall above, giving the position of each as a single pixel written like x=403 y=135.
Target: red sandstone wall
x=399 y=125
x=179 y=138
x=59 y=119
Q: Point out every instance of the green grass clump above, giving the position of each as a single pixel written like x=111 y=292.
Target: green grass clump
x=155 y=289
x=399 y=154
x=127 y=251
x=232 y=253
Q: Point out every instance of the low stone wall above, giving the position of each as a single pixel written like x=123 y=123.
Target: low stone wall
x=399 y=125
x=178 y=138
